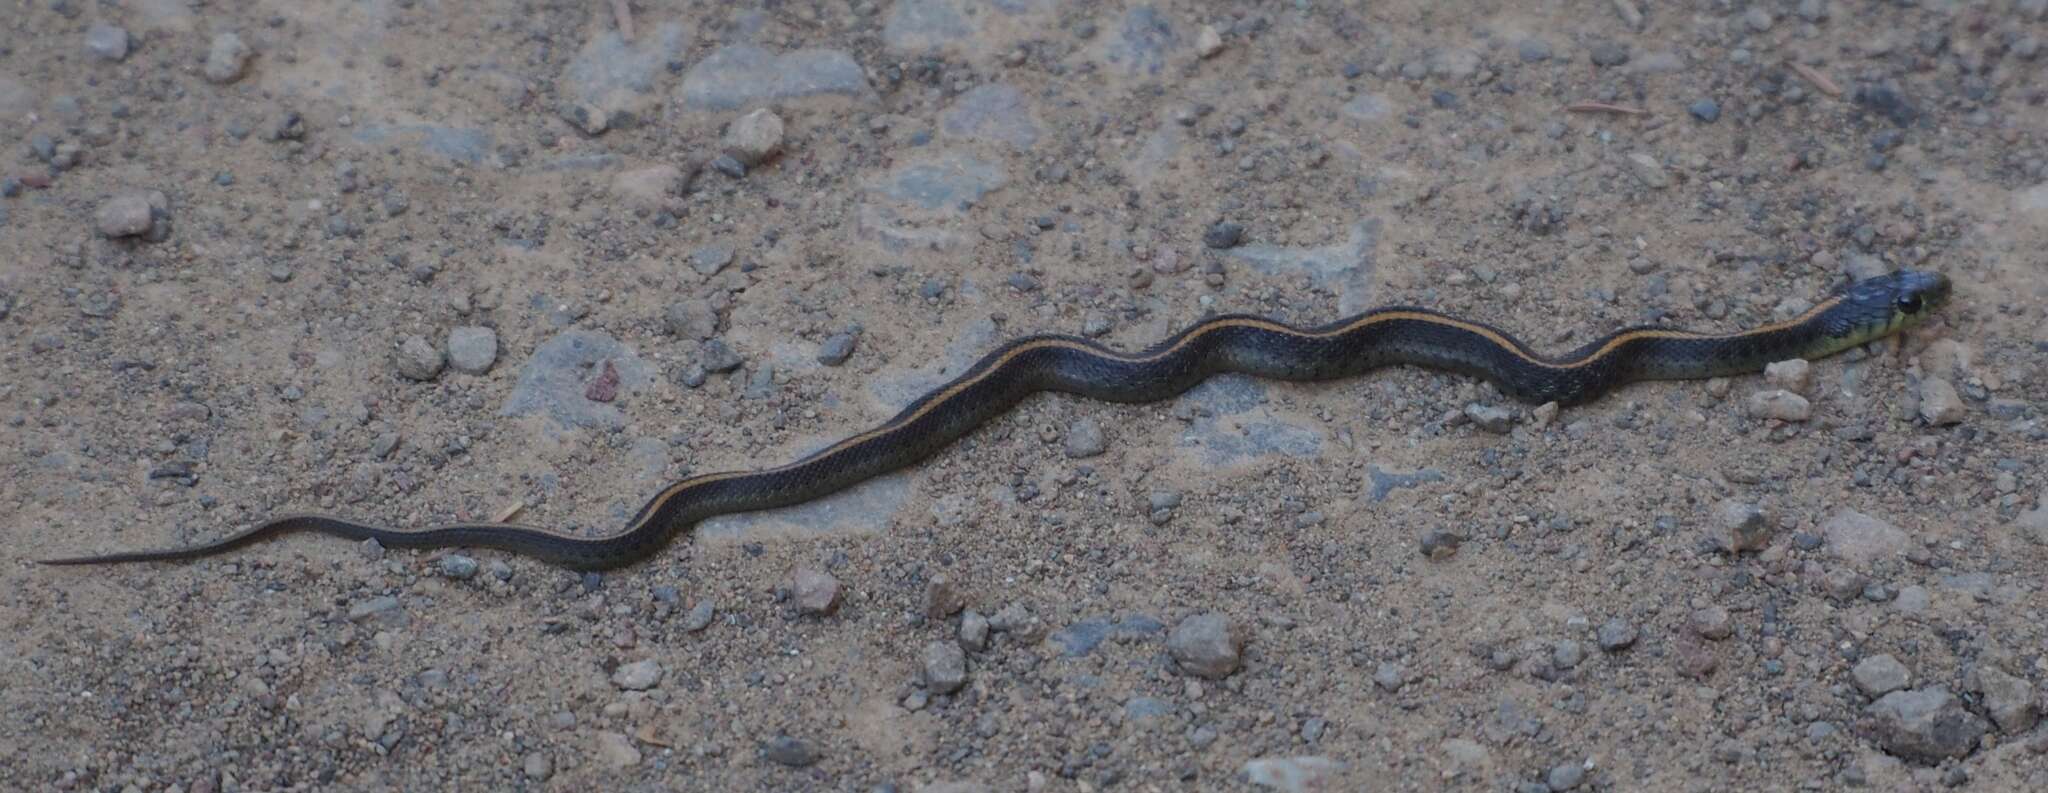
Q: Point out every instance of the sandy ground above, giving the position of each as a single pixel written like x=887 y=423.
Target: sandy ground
x=425 y=261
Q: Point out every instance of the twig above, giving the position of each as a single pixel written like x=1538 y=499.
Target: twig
x=624 y=14
x=1603 y=107
x=1819 y=80
x=509 y=511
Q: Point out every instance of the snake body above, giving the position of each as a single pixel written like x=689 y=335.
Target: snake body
x=1858 y=313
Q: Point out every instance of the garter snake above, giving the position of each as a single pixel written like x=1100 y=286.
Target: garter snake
x=1857 y=313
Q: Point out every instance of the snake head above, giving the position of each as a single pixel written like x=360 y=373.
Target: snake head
x=1887 y=303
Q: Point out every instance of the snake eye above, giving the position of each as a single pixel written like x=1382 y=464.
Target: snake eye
x=1909 y=304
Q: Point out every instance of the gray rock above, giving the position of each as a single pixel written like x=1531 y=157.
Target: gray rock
x=537 y=766
x=1493 y=419
x=816 y=593
x=458 y=567
x=1567 y=654
x=1085 y=439
x=1344 y=267
x=1084 y=636
x=553 y=383
x=107 y=42
x=638 y=675
x=1608 y=53
x=1706 y=110
x=1143 y=42
x=1390 y=676
x=691 y=319
x=837 y=348
x=1738 y=526
x=418 y=359
x=942 y=598
x=124 y=215
x=1532 y=50
x=699 y=617
x=707 y=260
x=472 y=349
x=1794 y=375
x=615 y=82
x=1712 y=622
x=1862 y=539
x=784 y=750
x=617 y=750
x=738 y=75
x=1223 y=235
x=947 y=182
x=1648 y=171
x=922 y=26
x=754 y=137
x=974 y=630
x=1566 y=776
x=1940 y=405
x=717 y=357
x=2008 y=699
x=1879 y=675
x=945 y=667
x=1925 y=725
x=227 y=59
x=992 y=112
x=468 y=146
x=1307 y=774
x=1616 y=635
x=1207 y=645
x=1757 y=18
x=381 y=604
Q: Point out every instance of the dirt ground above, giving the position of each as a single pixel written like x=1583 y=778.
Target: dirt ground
x=416 y=261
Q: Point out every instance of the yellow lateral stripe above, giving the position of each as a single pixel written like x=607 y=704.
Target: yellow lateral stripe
x=1498 y=338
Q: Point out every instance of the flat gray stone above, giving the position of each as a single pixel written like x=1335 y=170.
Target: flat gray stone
x=107 y=42
x=1368 y=107
x=472 y=349
x=1862 y=539
x=1926 y=726
x=921 y=26
x=468 y=146
x=946 y=182
x=993 y=112
x=554 y=381
x=738 y=75
x=1237 y=427
x=1143 y=41
x=1346 y=267
x=1294 y=774
x=1879 y=675
x=865 y=508
x=620 y=78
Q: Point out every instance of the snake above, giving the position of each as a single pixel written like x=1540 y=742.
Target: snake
x=1856 y=313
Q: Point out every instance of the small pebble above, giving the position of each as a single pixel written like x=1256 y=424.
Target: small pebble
x=228 y=59
x=754 y=137
x=1940 y=405
x=1712 y=622
x=1795 y=375
x=472 y=349
x=1207 y=645
x=1208 y=42
x=1085 y=439
x=1780 y=405
x=1616 y=635
x=1706 y=110
x=836 y=349
x=1566 y=776
x=418 y=359
x=1439 y=545
x=1223 y=235
x=699 y=617
x=1389 y=676
x=974 y=630
x=458 y=567
x=638 y=676
x=1879 y=675
x=816 y=593
x=107 y=42
x=1493 y=419
x=945 y=667
x=124 y=215
x=784 y=750
x=1738 y=526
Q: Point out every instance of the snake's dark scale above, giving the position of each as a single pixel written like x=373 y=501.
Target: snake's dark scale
x=1858 y=313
